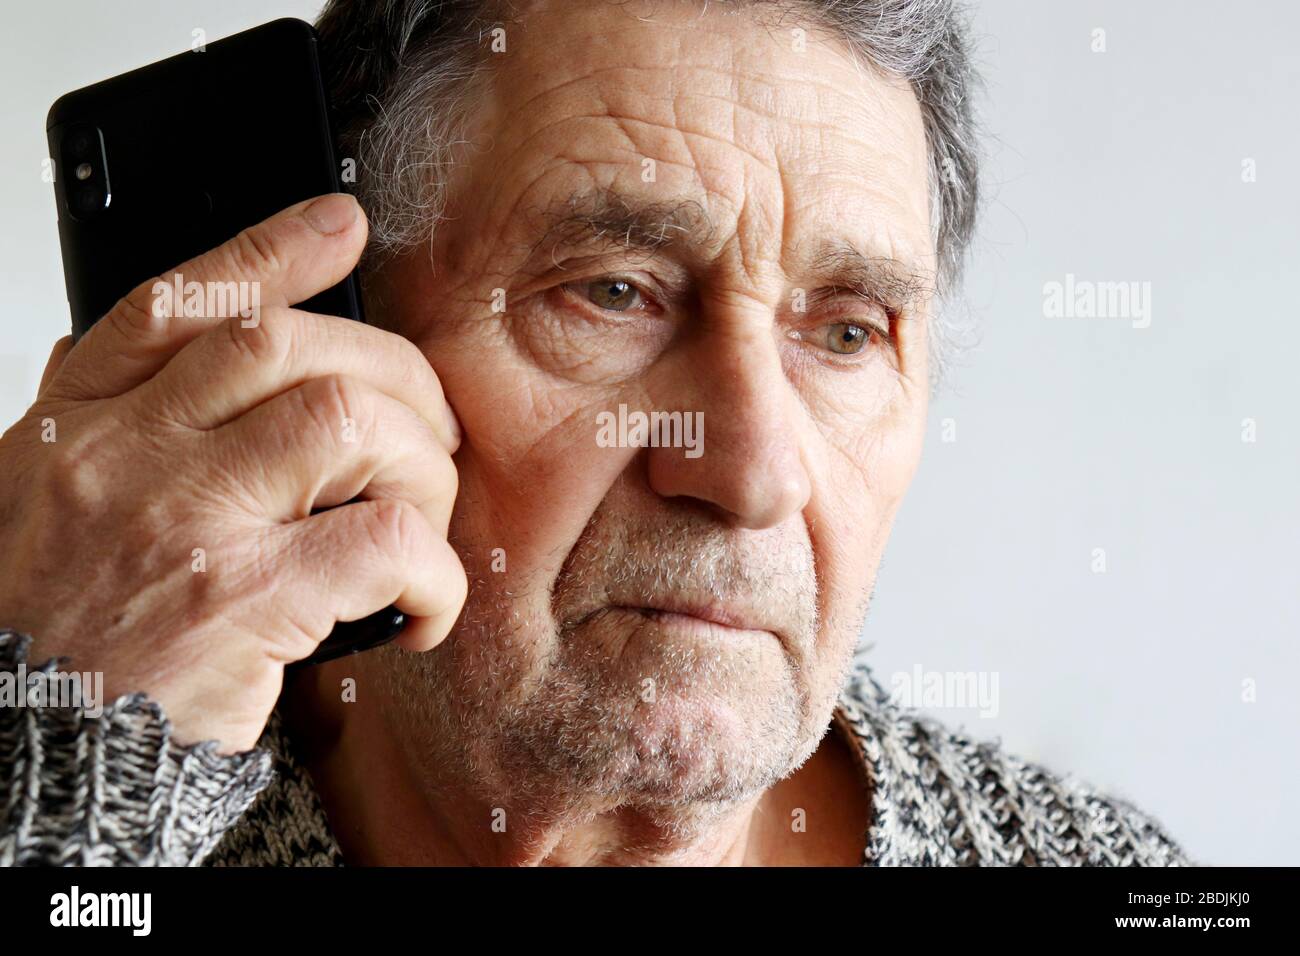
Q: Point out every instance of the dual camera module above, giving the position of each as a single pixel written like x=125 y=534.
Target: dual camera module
x=84 y=169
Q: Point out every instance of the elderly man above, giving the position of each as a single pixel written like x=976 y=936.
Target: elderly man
x=732 y=216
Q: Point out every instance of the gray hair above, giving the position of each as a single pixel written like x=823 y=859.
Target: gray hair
x=400 y=73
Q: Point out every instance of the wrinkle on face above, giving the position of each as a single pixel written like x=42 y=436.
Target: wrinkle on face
x=780 y=153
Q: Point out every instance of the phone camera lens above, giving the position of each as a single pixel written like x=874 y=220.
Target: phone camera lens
x=81 y=143
x=86 y=188
x=87 y=200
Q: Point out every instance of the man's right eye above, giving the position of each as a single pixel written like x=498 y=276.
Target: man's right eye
x=612 y=294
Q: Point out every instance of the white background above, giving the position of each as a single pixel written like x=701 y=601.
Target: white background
x=1071 y=434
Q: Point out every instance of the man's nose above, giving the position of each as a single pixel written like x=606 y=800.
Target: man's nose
x=749 y=467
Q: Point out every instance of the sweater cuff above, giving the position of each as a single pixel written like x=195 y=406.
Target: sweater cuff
x=109 y=790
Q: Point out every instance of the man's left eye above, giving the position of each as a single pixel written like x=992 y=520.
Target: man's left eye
x=847 y=339
x=615 y=295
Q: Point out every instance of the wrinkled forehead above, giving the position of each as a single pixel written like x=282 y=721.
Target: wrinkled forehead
x=766 y=126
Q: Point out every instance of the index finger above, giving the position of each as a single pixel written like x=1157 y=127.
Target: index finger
x=291 y=256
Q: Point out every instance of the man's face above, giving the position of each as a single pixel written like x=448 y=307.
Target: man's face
x=680 y=211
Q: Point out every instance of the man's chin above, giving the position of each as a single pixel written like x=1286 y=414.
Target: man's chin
x=705 y=747
x=622 y=709
x=664 y=712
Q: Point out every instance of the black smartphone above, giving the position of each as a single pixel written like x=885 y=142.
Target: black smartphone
x=168 y=161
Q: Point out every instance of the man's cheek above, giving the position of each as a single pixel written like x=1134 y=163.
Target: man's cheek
x=849 y=535
x=533 y=471
x=860 y=486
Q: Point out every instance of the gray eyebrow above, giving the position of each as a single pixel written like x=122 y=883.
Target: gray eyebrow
x=882 y=279
x=613 y=219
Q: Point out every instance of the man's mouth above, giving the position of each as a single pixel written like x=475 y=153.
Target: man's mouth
x=709 y=612
x=688 y=613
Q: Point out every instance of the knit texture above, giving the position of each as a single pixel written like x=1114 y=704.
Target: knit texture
x=112 y=790
x=118 y=790
x=940 y=798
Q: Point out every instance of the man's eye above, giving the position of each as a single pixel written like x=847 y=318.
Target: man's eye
x=616 y=295
x=847 y=339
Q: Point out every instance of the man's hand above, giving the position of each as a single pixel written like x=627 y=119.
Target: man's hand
x=156 y=502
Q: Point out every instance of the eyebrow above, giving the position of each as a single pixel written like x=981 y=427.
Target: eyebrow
x=609 y=218
x=839 y=264
x=612 y=220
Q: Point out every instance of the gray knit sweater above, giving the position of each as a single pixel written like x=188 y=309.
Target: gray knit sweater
x=118 y=790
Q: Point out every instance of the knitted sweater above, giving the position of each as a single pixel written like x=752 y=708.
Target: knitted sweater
x=118 y=790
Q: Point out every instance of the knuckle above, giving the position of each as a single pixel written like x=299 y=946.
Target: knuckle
x=339 y=406
x=256 y=251
x=269 y=341
x=395 y=527
x=161 y=408
x=135 y=315
x=76 y=477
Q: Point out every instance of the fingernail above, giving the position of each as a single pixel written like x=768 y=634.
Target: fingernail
x=332 y=213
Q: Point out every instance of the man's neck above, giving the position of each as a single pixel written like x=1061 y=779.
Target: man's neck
x=384 y=812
